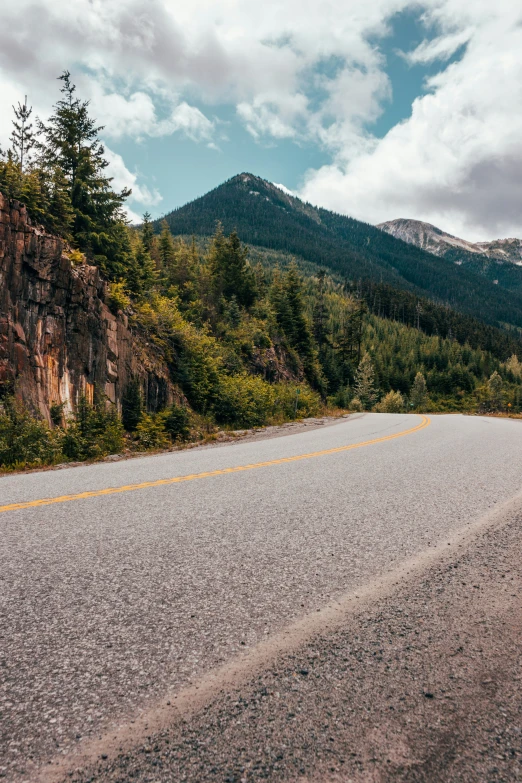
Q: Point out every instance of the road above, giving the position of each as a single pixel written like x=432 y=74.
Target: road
x=117 y=604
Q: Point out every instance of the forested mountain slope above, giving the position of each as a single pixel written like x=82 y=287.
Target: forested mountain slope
x=264 y=215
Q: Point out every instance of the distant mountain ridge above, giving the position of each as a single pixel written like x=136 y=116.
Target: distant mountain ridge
x=438 y=242
x=268 y=217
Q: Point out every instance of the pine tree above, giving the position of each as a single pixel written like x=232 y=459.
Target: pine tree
x=69 y=140
x=419 y=393
x=22 y=135
x=261 y=280
x=298 y=329
x=132 y=406
x=320 y=314
x=233 y=312
x=495 y=389
x=299 y=332
x=60 y=211
x=147 y=232
x=365 y=382
x=230 y=269
x=514 y=366
x=281 y=305
x=142 y=274
x=349 y=343
x=166 y=248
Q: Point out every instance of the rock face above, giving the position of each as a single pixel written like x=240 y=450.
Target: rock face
x=58 y=337
x=435 y=241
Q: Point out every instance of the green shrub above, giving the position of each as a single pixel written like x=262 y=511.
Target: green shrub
x=118 y=298
x=356 y=405
x=261 y=340
x=393 y=402
x=177 y=422
x=308 y=402
x=419 y=393
x=342 y=398
x=76 y=257
x=131 y=406
x=244 y=400
x=94 y=432
x=197 y=355
x=150 y=432
x=56 y=412
x=26 y=441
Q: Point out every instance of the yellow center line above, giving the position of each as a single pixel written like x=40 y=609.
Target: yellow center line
x=178 y=479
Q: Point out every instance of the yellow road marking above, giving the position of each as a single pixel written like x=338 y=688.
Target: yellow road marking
x=178 y=479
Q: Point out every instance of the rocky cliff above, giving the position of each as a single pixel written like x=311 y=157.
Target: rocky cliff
x=58 y=337
x=438 y=242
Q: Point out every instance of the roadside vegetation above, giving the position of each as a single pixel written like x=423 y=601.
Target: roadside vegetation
x=246 y=344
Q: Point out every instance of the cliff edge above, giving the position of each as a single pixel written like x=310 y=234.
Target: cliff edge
x=58 y=337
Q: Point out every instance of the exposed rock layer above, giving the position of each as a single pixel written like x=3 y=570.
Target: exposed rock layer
x=58 y=337
x=436 y=241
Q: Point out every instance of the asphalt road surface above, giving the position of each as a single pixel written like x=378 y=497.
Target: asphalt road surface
x=148 y=591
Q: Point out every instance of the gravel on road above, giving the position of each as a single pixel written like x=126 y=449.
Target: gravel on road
x=423 y=686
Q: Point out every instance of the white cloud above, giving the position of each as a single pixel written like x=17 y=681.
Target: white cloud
x=298 y=70
x=441 y=48
x=270 y=114
x=284 y=189
x=188 y=119
x=457 y=162
x=123 y=178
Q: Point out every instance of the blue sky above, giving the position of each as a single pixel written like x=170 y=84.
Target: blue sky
x=183 y=169
x=374 y=108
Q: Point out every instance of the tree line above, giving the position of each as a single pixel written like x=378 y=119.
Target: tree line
x=246 y=344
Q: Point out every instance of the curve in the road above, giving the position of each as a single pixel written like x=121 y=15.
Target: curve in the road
x=425 y=422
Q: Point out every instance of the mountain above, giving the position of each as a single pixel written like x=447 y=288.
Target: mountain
x=438 y=242
x=266 y=216
x=500 y=261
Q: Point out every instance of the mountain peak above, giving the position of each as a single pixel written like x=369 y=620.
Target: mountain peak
x=440 y=243
x=281 y=225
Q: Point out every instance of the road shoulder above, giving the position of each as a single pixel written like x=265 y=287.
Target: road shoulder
x=421 y=684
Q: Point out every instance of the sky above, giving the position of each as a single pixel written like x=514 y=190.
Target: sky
x=377 y=109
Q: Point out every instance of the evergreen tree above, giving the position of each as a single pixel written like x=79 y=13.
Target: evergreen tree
x=495 y=389
x=177 y=422
x=10 y=176
x=166 y=248
x=281 y=305
x=291 y=315
x=299 y=330
x=22 y=135
x=349 y=343
x=147 y=232
x=320 y=314
x=419 y=393
x=261 y=280
x=233 y=312
x=231 y=271
x=365 y=382
x=69 y=140
x=514 y=366
x=59 y=208
x=132 y=406
x=141 y=274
